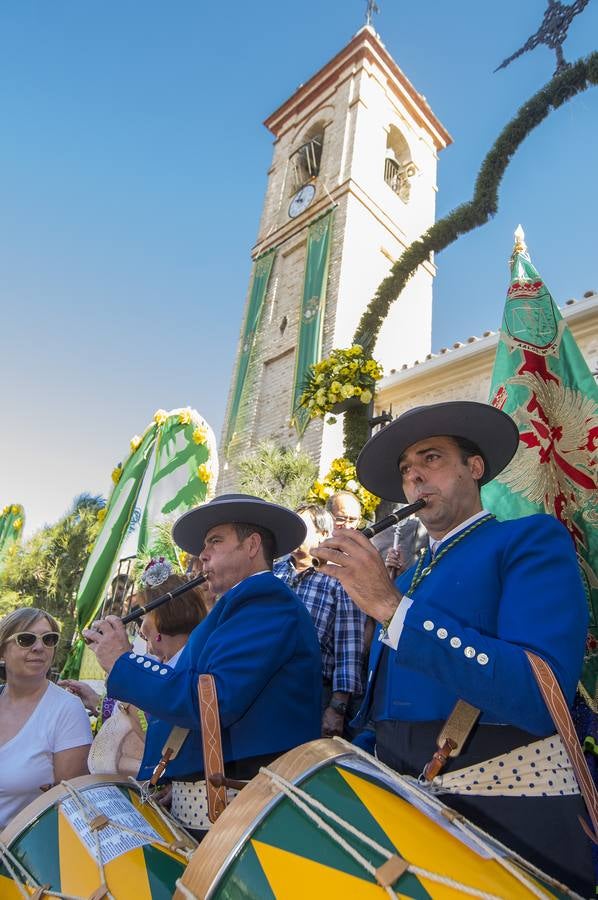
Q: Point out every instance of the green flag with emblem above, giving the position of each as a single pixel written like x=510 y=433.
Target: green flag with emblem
x=542 y=380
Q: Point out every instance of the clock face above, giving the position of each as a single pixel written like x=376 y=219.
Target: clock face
x=301 y=200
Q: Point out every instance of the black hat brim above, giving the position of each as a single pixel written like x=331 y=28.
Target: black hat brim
x=288 y=529
x=490 y=429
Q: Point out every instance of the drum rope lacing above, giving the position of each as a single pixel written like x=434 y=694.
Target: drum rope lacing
x=88 y=809
x=186 y=845
x=309 y=804
x=471 y=831
x=24 y=879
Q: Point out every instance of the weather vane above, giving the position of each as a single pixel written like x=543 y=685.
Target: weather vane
x=371 y=9
x=552 y=32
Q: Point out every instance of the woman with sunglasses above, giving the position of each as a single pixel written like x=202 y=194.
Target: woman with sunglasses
x=44 y=731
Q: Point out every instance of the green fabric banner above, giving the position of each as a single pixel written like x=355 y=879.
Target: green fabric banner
x=108 y=543
x=261 y=276
x=543 y=381
x=184 y=472
x=172 y=468
x=12 y=519
x=309 y=343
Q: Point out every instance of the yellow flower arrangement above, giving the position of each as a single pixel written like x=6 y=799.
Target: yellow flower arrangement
x=200 y=434
x=343 y=375
x=135 y=442
x=116 y=473
x=185 y=417
x=16 y=509
x=6 y=510
x=204 y=473
x=17 y=524
x=160 y=416
x=343 y=477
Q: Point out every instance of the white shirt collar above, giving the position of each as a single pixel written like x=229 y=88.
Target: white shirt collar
x=253 y=574
x=174 y=658
x=435 y=543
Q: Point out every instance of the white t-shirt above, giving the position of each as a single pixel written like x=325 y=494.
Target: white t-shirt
x=58 y=722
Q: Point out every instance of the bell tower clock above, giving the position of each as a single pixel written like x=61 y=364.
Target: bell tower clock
x=351 y=185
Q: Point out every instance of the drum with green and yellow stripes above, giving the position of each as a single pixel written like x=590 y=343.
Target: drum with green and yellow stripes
x=353 y=830
x=91 y=834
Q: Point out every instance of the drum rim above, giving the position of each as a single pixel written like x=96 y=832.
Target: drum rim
x=331 y=752
x=30 y=814
x=276 y=799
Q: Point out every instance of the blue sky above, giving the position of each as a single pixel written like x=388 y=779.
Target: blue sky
x=133 y=164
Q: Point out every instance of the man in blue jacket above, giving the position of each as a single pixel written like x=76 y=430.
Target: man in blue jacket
x=258 y=642
x=457 y=625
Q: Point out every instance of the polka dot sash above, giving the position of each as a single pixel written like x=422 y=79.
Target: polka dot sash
x=541 y=769
x=190 y=803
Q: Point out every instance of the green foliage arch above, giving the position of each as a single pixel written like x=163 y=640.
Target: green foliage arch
x=484 y=204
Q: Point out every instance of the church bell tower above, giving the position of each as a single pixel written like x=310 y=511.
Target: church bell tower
x=351 y=185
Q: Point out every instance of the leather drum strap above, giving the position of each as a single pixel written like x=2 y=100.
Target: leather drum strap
x=463 y=717
x=212 y=744
x=557 y=706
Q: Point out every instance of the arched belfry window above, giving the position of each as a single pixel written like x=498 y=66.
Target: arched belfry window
x=305 y=161
x=399 y=168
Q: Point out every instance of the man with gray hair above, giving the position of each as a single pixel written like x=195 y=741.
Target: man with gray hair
x=345 y=509
x=338 y=622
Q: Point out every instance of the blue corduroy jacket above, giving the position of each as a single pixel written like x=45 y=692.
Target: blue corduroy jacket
x=260 y=645
x=505 y=588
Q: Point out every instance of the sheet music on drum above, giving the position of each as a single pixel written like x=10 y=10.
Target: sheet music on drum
x=358 y=764
x=111 y=802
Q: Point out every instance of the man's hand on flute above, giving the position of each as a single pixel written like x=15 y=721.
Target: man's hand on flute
x=350 y=557
x=108 y=640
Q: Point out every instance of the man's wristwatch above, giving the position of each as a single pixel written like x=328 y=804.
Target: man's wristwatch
x=338 y=706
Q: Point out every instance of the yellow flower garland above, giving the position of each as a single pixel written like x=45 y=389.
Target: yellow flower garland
x=342 y=476
x=342 y=375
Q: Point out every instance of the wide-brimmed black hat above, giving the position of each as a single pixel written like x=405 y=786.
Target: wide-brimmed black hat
x=490 y=429
x=288 y=529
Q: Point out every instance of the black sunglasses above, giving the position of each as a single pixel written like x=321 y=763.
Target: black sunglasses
x=28 y=638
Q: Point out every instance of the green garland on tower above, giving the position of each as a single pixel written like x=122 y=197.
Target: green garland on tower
x=562 y=88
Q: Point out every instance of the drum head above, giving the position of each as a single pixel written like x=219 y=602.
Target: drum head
x=265 y=845
x=52 y=842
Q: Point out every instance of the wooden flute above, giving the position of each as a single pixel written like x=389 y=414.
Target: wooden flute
x=142 y=610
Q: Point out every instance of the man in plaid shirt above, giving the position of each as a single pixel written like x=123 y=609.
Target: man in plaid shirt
x=339 y=623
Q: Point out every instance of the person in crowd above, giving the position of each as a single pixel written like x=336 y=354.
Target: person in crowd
x=400 y=545
x=115 y=602
x=458 y=623
x=338 y=622
x=258 y=643
x=118 y=745
x=44 y=731
x=345 y=509
x=166 y=629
